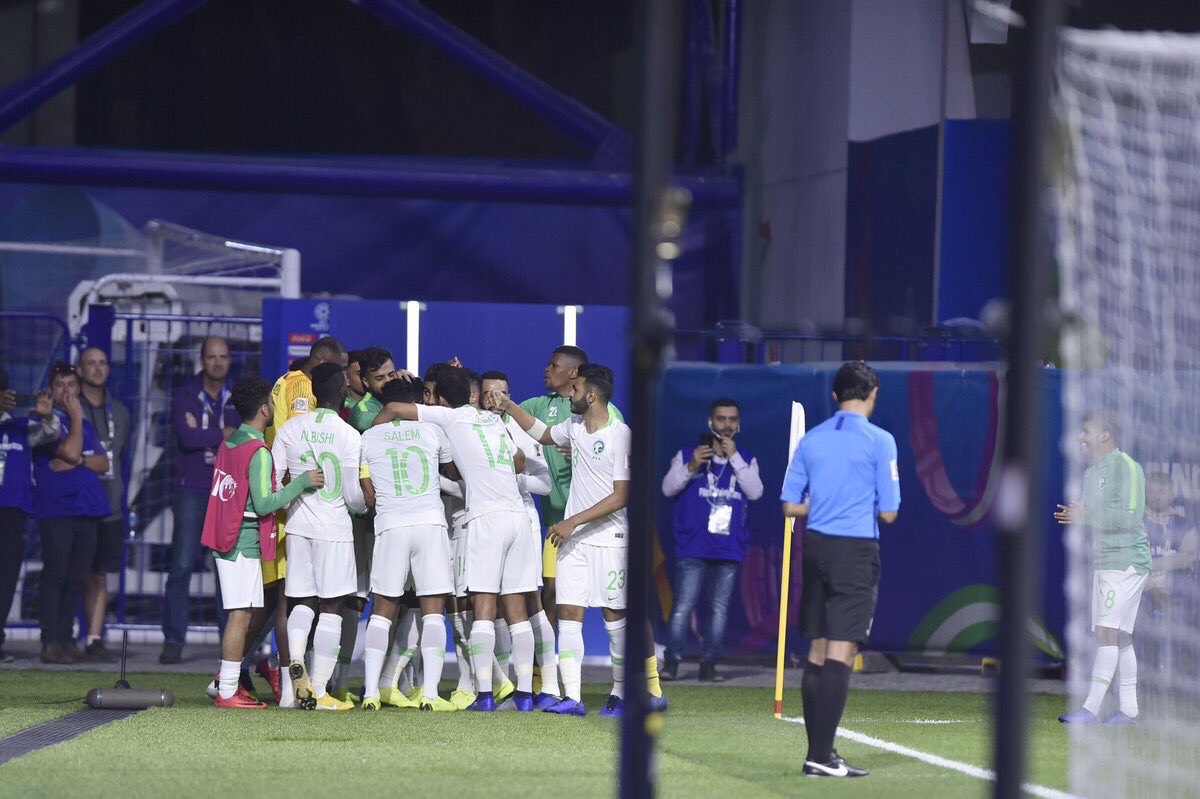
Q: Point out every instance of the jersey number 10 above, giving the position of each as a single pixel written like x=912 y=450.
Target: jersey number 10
x=401 y=478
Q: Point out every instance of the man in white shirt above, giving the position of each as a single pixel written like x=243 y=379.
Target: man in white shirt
x=320 y=542
x=498 y=562
x=712 y=485
x=593 y=537
x=402 y=460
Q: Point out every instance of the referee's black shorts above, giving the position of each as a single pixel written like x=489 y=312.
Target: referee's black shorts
x=841 y=585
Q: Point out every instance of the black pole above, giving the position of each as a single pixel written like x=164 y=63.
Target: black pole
x=1021 y=502
x=659 y=36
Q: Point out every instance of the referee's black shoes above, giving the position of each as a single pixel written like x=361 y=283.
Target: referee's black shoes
x=836 y=766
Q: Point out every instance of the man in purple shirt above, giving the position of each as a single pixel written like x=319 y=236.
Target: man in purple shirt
x=202 y=416
x=68 y=501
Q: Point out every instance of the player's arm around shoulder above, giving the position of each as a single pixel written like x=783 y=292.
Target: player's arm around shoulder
x=887 y=478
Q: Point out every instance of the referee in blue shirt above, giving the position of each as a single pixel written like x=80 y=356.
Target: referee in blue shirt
x=843 y=478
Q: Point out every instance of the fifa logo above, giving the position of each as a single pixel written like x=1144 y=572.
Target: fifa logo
x=224 y=486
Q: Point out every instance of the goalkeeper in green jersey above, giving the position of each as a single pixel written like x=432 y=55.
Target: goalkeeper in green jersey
x=1114 y=502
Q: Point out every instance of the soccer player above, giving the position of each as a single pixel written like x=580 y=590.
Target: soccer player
x=402 y=459
x=593 y=539
x=1114 y=502
x=376 y=368
x=239 y=527
x=291 y=396
x=497 y=558
x=370 y=368
x=321 y=570
x=455 y=506
x=551 y=408
x=843 y=477
x=535 y=479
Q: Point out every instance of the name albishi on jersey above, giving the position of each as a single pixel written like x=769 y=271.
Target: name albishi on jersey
x=316 y=437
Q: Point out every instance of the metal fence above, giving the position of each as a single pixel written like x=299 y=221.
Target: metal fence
x=152 y=356
x=29 y=343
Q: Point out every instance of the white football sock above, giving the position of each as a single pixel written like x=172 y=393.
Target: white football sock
x=407 y=640
x=287 y=693
x=433 y=652
x=1127 y=663
x=522 y=655
x=227 y=679
x=325 y=650
x=390 y=674
x=570 y=657
x=299 y=625
x=500 y=669
x=616 y=653
x=1102 y=674
x=466 y=677
x=376 y=641
x=346 y=644
x=543 y=652
x=482 y=651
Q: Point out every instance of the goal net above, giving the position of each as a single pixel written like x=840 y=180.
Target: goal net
x=1127 y=227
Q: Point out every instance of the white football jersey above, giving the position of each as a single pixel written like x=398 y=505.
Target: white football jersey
x=597 y=460
x=535 y=462
x=402 y=459
x=483 y=453
x=318 y=440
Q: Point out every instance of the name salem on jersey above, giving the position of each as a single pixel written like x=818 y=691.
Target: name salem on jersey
x=401 y=435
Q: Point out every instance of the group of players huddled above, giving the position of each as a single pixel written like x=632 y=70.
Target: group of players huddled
x=349 y=480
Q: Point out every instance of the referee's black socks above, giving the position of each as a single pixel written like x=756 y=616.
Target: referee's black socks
x=829 y=686
x=808 y=691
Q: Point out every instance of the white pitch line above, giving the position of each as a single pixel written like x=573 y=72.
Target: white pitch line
x=942 y=762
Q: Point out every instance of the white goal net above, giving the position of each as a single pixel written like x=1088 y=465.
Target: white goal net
x=1127 y=226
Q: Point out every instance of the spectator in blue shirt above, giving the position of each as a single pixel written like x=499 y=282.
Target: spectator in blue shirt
x=844 y=480
x=68 y=501
x=19 y=434
x=712 y=484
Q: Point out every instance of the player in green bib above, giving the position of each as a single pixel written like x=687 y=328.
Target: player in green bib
x=1112 y=510
x=553 y=407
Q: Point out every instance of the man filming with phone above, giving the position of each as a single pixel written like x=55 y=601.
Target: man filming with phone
x=712 y=484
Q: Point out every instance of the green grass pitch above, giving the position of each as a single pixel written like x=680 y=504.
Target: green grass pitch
x=715 y=741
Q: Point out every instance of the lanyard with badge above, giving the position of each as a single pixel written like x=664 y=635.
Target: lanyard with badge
x=111 y=438
x=720 y=503
x=210 y=455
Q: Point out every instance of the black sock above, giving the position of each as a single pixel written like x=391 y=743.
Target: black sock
x=833 y=687
x=809 y=684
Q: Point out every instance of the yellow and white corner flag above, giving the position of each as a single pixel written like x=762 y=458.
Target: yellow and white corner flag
x=795 y=434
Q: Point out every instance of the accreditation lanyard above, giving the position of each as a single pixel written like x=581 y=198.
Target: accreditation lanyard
x=111 y=427
x=720 y=505
x=206 y=410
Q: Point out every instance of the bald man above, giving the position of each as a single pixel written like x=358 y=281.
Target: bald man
x=202 y=415
x=111 y=420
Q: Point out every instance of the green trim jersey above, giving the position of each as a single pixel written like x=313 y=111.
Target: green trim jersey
x=1114 y=501
x=554 y=409
x=598 y=460
x=261 y=500
x=483 y=452
x=363 y=413
x=319 y=440
x=403 y=459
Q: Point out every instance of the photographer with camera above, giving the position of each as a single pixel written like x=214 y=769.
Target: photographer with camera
x=712 y=484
